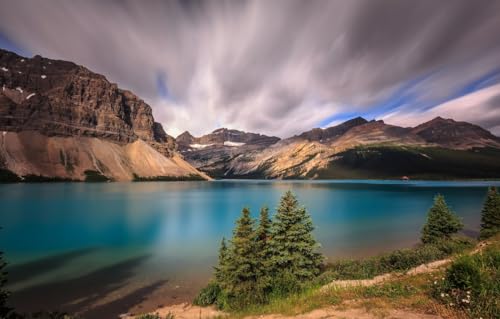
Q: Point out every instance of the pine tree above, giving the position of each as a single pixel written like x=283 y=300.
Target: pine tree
x=263 y=252
x=241 y=262
x=292 y=244
x=441 y=222
x=221 y=269
x=490 y=214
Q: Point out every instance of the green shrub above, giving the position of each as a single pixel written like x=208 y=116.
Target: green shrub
x=472 y=284
x=208 y=295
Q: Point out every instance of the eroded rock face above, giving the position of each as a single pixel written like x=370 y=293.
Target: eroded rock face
x=216 y=152
x=59 y=98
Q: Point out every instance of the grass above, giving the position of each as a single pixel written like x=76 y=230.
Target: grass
x=398 y=260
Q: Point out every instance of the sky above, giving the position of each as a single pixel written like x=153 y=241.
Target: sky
x=278 y=67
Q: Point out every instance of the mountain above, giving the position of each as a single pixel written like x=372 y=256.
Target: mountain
x=223 y=137
x=325 y=135
x=455 y=135
x=60 y=120
x=213 y=153
x=365 y=149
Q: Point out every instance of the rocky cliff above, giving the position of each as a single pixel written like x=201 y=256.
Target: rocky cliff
x=55 y=101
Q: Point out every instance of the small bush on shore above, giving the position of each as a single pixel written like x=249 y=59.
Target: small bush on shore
x=472 y=284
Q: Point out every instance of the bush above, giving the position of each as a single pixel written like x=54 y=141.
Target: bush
x=208 y=295
x=471 y=284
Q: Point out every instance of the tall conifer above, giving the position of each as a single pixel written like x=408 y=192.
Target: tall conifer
x=441 y=222
x=263 y=251
x=293 y=247
x=241 y=263
x=490 y=214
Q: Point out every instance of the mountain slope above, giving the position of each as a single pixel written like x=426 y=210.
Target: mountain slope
x=456 y=135
x=72 y=111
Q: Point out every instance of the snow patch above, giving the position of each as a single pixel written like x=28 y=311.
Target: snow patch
x=43 y=76
x=30 y=96
x=4 y=69
x=19 y=89
x=199 y=146
x=233 y=144
x=19 y=72
x=22 y=60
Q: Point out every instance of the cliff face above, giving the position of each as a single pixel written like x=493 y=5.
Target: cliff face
x=61 y=99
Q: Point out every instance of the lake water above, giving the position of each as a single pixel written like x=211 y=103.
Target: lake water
x=105 y=249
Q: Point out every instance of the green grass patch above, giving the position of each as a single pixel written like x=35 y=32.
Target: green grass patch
x=472 y=284
x=396 y=261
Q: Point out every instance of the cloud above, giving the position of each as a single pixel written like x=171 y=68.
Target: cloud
x=276 y=67
x=482 y=106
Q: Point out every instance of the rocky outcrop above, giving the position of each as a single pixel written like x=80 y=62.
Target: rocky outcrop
x=59 y=99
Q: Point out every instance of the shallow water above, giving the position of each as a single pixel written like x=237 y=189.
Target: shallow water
x=102 y=249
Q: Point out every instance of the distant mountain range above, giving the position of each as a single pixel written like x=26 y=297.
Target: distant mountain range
x=60 y=121
x=438 y=149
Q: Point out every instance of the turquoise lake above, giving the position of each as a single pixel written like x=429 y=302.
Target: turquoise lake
x=105 y=249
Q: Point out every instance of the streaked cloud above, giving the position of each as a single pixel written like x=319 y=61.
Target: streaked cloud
x=276 y=67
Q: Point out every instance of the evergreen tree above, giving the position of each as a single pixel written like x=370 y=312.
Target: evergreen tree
x=292 y=244
x=490 y=215
x=221 y=269
x=241 y=262
x=441 y=222
x=263 y=252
